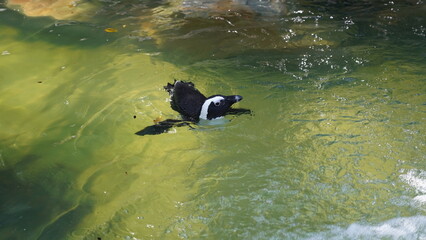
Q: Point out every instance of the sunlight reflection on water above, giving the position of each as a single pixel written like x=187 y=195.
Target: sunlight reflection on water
x=334 y=147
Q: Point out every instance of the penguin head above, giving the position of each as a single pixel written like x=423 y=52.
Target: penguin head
x=216 y=106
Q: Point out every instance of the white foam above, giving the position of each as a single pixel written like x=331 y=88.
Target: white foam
x=214 y=122
x=416 y=179
x=420 y=199
x=406 y=228
x=396 y=228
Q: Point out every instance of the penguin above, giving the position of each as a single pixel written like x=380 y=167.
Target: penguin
x=193 y=106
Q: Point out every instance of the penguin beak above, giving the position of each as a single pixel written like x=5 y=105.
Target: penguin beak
x=233 y=99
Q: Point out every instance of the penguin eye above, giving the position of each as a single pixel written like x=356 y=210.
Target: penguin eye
x=217 y=104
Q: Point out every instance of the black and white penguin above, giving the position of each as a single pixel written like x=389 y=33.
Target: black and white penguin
x=193 y=105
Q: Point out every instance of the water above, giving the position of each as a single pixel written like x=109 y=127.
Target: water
x=334 y=149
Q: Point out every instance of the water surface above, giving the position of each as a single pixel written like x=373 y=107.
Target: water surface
x=334 y=149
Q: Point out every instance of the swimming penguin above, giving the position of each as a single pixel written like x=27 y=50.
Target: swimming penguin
x=193 y=107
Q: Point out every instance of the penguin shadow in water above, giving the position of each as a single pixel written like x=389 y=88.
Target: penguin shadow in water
x=193 y=106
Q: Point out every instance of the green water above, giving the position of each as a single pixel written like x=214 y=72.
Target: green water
x=335 y=147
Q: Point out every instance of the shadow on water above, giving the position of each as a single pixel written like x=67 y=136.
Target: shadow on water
x=50 y=190
x=31 y=202
x=187 y=34
x=190 y=35
x=68 y=33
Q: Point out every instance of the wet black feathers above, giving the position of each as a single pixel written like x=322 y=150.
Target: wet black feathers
x=185 y=99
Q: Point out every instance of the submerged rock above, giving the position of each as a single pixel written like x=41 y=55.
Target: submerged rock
x=58 y=9
x=220 y=29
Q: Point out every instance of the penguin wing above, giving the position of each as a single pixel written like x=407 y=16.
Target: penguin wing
x=185 y=99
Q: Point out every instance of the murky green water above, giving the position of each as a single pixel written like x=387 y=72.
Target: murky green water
x=335 y=148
